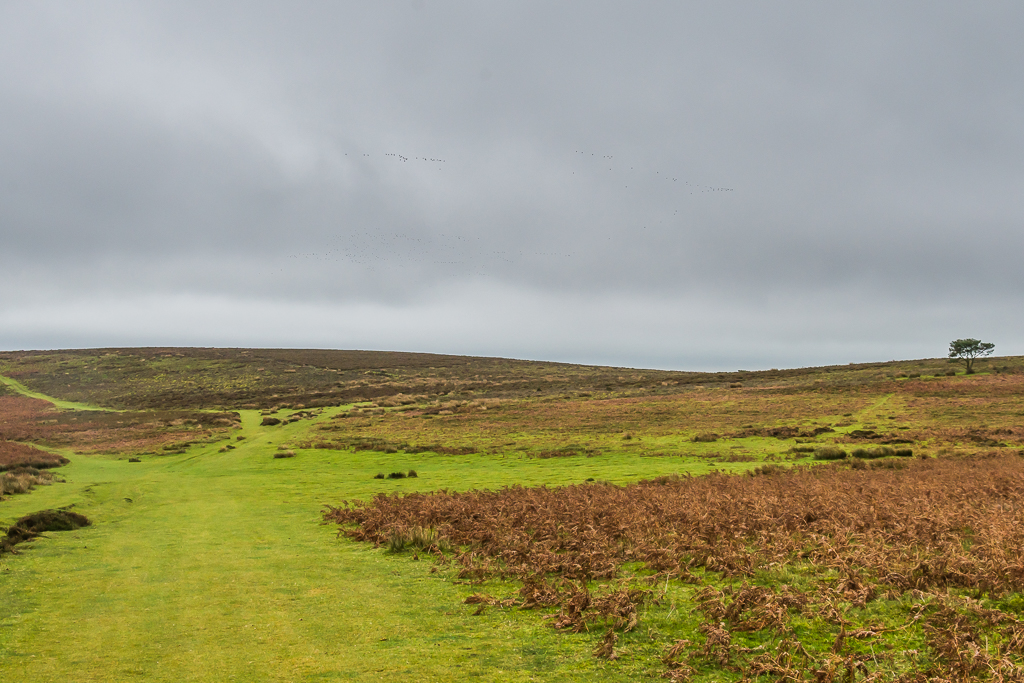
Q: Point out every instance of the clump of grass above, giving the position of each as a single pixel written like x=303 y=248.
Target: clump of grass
x=738 y=457
x=379 y=475
x=418 y=538
x=705 y=437
x=30 y=526
x=878 y=452
x=23 y=479
x=412 y=474
x=767 y=470
x=829 y=453
x=284 y=454
x=396 y=475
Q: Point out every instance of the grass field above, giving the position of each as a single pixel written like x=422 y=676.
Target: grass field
x=212 y=563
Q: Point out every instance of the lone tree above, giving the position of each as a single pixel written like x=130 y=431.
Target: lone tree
x=968 y=350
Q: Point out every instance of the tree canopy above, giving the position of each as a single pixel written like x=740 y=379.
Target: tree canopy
x=968 y=350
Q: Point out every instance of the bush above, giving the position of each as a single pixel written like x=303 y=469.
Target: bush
x=396 y=475
x=412 y=474
x=379 y=475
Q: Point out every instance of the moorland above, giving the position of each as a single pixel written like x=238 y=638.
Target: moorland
x=287 y=515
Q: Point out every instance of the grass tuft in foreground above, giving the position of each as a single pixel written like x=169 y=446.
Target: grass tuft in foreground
x=31 y=526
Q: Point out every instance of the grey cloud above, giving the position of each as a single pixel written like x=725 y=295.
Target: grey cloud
x=351 y=155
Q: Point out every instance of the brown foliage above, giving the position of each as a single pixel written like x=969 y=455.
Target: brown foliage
x=903 y=526
x=31 y=419
x=14 y=455
x=927 y=527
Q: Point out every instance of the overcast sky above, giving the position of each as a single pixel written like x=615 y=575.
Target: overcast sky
x=688 y=185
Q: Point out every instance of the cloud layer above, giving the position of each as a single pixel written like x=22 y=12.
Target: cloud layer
x=686 y=185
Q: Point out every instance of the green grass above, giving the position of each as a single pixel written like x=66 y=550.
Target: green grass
x=213 y=566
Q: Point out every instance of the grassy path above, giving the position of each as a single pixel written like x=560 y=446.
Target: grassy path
x=63 y=405
x=212 y=566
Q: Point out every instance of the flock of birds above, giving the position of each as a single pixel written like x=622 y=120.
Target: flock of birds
x=371 y=248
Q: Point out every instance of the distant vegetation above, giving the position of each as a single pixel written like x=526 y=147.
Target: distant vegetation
x=533 y=520
x=234 y=379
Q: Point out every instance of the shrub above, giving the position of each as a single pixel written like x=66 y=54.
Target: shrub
x=396 y=475
x=412 y=474
x=379 y=475
x=829 y=453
